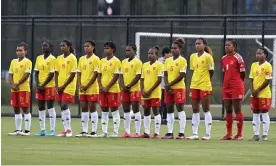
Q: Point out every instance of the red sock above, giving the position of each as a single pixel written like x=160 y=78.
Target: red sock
x=239 y=119
x=229 y=123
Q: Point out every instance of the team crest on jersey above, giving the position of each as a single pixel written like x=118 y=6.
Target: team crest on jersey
x=202 y=61
x=176 y=64
x=148 y=71
x=231 y=62
x=262 y=69
x=131 y=66
x=63 y=65
x=90 y=63
x=68 y=62
x=154 y=68
x=110 y=64
x=21 y=66
x=48 y=63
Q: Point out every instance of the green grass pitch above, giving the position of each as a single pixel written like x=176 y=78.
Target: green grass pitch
x=33 y=150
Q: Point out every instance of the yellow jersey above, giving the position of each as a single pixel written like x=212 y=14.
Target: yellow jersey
x=64 y=67
x=150 y=74
x=174 y=68
x=130 y=70
x=44 y=67
x=108 y=68
x=260 y=73
x=18 y=69
x=201 y=66
x=87 y=68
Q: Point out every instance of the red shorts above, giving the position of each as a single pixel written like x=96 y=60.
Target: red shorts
x=46 y=94
x=89 y=98
x=178 y=96
x=260 y=103
x=197 y=94
x=233 y=94
x=65 y=97
x=20 y=99
x=151 y=102
x=109 y=99
x=130 y=96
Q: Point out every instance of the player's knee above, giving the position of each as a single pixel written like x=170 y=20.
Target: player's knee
x=64 y=107
x=147 y=113
x=206 y=110
x=195 y=110
x=126 y=110
x=229 y=111
x=264 y=111
x=25 y=110
x=256 y=111
x=41 y=107
x=50 y=104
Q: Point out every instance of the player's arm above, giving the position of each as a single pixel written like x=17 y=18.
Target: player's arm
x=166 y=77
x=251 y=79
x=242 y=68
x=191 y=64
x=91 y=81
x=36 y=73
x=122 y=83
x=142 y=83
x=137 y=77
x=211 y=66
x=11 y=77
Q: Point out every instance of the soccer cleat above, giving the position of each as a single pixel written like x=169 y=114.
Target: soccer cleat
x=238 y=137
x=69 y=133
x=180 y=136
x=62 y=134
x=264 y=138
x=145 y=135
x=167 y=136
x=156 y=136
x=26 y=133
x=41 y=133
x=51 y=133
x=126 y=135
x=255 y=138
x=206 y=137
x=136 y=135
x=82 y=134
x=193 y=137
x=92 y=135
x=102 y=135
x=14 y=133
x=114 y=135
x=226 y=137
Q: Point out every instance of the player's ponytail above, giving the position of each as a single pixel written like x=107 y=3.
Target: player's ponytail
x=206 y=48
x=156 y=48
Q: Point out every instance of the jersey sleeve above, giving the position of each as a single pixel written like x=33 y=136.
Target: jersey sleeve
x=251 y=74
x=36 y=64
x=221 y=63
x=268 y=72
x=79 y=65
x=118 y=67
x=28 y=67
x=74 y=65
x=138 y=67
x=143 y=70
x=52 y=65
x=100 y=66
x=165 y=65
x=191 y=62
x=56 y=65
x=183 y=66
x=211 y=62
x=96 y=65
x=11 y=70
x=241 y=63
x=161 y=70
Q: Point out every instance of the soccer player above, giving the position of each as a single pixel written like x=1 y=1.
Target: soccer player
x=88 y=88
x=109 y=96
x=65 y=80
x=175 y=93
x=152 y=73
x=260 y=76
x=202 y=66
x=233 y=88
x=19 y=77
x=45 y=88
x=130 y=94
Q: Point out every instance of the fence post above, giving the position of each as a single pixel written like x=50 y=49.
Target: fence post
x=222 y=75
x=33 y=60
x=171 y=32
x=263 y=33
x=80 y=54
x=127 y=30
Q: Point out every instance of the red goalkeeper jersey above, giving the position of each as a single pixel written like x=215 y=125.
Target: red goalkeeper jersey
x=232 y=66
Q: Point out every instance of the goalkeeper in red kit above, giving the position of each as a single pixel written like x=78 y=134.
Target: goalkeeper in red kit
x=233 y=88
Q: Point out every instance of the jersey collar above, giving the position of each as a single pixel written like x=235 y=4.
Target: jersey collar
x=89 y=57
x=21 y=60
x=47 y=57
x=201 y=55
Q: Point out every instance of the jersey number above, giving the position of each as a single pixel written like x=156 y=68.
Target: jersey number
x=171 y=68
x=227 y=67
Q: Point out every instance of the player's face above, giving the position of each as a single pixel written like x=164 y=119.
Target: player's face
x=108 y=51
x=167 y=55
x=199 y=46
x=152 y=55
x=175 y=50
x=129 y=52
x=46 y=47
x=260 y=55
x=229 y=47
x=64 y=48
x=20 y=52
x=88 y=48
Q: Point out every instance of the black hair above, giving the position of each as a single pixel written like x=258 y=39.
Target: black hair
x=24 y=45
x=133 y=46
x=234 y=42
x=264 y=50
x=69 y=44
x=156 y=48
x=206 y=48
x=111 y=45
x=179 y=42
x=50 y=45
x=92 y=44
x=165 y=50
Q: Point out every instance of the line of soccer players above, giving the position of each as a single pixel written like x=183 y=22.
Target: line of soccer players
x=111 y=83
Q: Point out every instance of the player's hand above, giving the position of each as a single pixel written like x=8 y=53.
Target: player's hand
x=125 y=88
x=14 y=87
x=82 y=89
x=147 y=94
x=128 y=87
x=105 y=90
x=255 y=93
x=101 y=88
x=144 y=94
x=40 y=88
x=61 y=89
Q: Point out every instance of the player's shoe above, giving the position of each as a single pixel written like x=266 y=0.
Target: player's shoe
x=114 y=135
x=206 y=137
x=238 y=137
x=51 y=133
x=69 y=133
x=26 y=133
x=145 y=135
x=193 y=137
x=180 y=136
x=126 y=135
x=14 y=133
x=226 y=137
x=156 y=136
x=255 y=138
x=92 y=135
x=136 y=135
x=102 y=135
x=62 y=134
x=41 y=133
x=168 y=136
x=264 y=138
x=82 y=134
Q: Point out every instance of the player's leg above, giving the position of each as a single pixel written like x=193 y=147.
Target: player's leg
x=195 y=101
x=256 y=120
x=67 y=116
x=163 y=108
x=94 y=117
x=147 y=118
x=237 y=103
x=229 y=119
x=42 y=117
x=137 y=115
x=180 y=100
x=17 y=120
x=24 y=105
x=127 y=119
x=52 y=117
x=114 y=104
x=265 y=107
x=105 y=114
x=205 y=102
x=169 y=100
x=84 y=117
x=157 y=117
